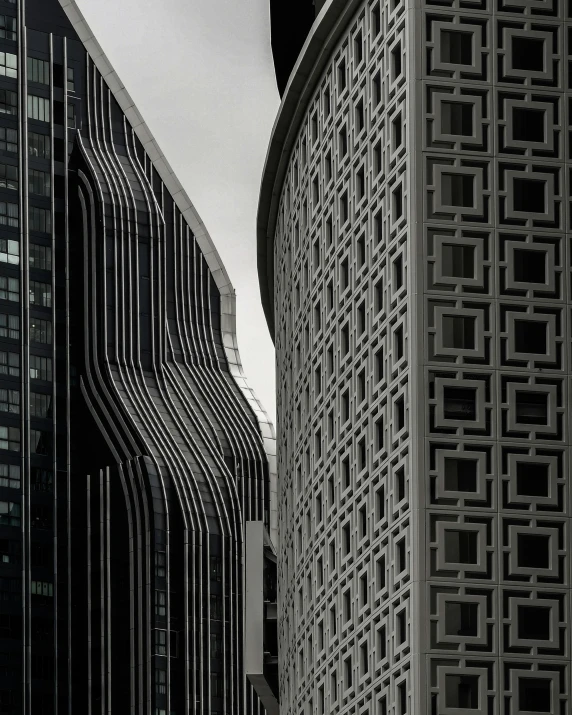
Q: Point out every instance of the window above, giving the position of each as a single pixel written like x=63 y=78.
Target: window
x=462 y=691
x=398 y=342
x=9 y=513
x=458 y=190
x=10 y=401
x=401 y=556
x=532 y=408
x=396 y=132
x=534 y=623
x=360 y=184
x=346 y=472
x=528 y=54
x=42 y=480
x=460 y=475
x=8 y=102
x=39 y=182
x=459 y=332
x=530 y=336
x=39 y=145
x=342 y=75
x=358 y=48
x=533 y=551
x=396 y=63
x=534 y=695
x=361 y=391
x=361 y=251
x=529 y=195
x=161 y=681
x=379 y=434
x=529 y=266
x=327 y=102
x=10 y=476
x=359 y=116
x=42 y=588
x=457 y=118
x=345 y=341
x=9 y=326
x=7 y=27
x=71 y=79
x=401 y=626
x=38 y=71
x=343 y=141
x=456 y=47
x=40 y=405
x=528 y=124
x=376 y=89
x=461 y=547
x=532 y=479
x=8 y=177
x=460 y=403
x=160 y=642
x=344 y=274
x=461 y=618
x=40 y=219
x=8 y=214
x=40 y=331
x=40 y=368
x=9 y=289
x=8 y=64
x=71 y=116
x=40 y=257
x=10 y=438
x=458 y=261
x=40 y=442
x=400 y=414
x=38 y=108
x=9 y=251
x=376 y=20
x=41 y=294
x=397 y=202
x=8 y=140
x=160 y=603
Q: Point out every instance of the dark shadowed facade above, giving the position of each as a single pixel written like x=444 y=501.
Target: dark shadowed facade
x=132 y=453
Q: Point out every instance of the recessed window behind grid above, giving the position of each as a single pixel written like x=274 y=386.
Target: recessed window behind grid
x=40 y=405
x=10 y=438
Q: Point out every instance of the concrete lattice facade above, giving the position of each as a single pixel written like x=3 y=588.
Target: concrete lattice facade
x=415 y=268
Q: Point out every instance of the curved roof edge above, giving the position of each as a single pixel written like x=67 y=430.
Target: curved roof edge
x=185 y=206
x=322 y=39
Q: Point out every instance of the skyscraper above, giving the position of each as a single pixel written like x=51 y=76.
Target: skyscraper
x=415 y=272
x=132 y=452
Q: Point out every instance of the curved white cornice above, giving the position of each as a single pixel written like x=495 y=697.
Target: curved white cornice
x=331 y=22
x=191 y=216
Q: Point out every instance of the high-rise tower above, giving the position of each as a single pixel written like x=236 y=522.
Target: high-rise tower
x=132 y=453
x=415 y=262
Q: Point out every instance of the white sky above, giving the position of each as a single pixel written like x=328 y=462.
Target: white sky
x=201 y=73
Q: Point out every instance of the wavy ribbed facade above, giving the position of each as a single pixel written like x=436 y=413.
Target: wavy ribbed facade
x=415 y=264
x=132 y=453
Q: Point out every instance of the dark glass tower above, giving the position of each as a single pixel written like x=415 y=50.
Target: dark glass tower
x=131 y=450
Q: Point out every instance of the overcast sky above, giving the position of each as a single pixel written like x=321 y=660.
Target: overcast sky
x=200 y=72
